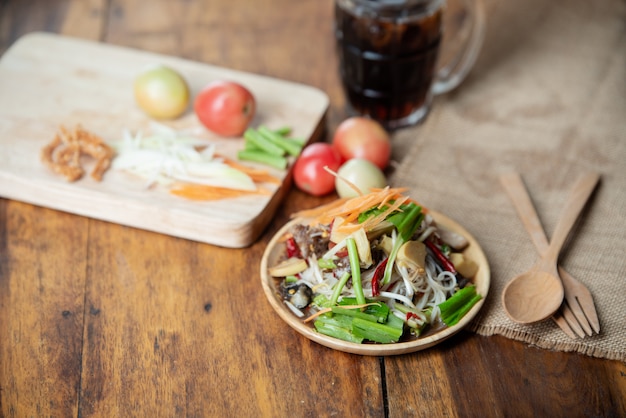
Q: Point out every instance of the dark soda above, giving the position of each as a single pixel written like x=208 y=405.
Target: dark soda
x=388 y=57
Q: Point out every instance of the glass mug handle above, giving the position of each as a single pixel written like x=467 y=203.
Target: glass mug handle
x=451 y=73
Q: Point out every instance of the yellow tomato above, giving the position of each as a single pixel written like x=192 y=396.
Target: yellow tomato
x=361 y=173
x=161 y=92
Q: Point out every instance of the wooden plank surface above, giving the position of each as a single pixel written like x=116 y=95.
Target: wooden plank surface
x=205 y=342
x=41 y=309
x=50 y=81
x=99 y=319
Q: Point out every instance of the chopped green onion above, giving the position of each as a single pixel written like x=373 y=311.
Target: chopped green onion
x=355 y=313
x=355 y=268
x=397 y=216
x=456 y=317
x=373 y=323
x=270 y=147
x=455 y=301
x=291 y=279
x=410 y=223
x=391 y=260
x=455 y=307
x=251 y=147
x=370 y=213
x=337 y=329
x=322 y=301
x=263 y=143
x=287 y=145
x=298 y=140
x=374 y=307
x=262 y=157
x=283 y=131
x=395 y=322
x=326 y=263
x=338 y=288
x=406 y=223
x=373 y=331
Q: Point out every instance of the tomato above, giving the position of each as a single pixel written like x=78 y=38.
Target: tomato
x=225 y=107
x=361 y=173
x=161 y=92
x=309 y=173
x=360 y=137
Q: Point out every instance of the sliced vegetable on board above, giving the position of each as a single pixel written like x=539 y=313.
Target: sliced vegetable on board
x=270 y=147
x=187 y=165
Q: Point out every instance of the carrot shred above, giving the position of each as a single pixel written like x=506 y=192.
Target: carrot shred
x=350 y=209
x=203 y=192
x=316 y=314
x=257 y=175
x=264 y=178
x=374 y=221
x=320 y=210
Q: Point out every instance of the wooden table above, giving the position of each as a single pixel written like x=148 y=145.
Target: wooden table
x=98 y=319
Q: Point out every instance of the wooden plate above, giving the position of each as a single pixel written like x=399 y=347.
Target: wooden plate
x=482 y=279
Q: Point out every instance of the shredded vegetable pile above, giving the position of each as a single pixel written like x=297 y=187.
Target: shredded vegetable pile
x=375 y=268
x=188 y=165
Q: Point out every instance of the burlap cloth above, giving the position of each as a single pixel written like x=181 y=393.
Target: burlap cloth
x=547 y=98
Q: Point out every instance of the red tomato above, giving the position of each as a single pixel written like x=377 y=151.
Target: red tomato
x=309 y=173
x=360 y=137
x=225 y=107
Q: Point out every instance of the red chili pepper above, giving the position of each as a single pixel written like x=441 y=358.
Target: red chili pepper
x=410 y=315
x=445 y=262
x=342 y=253
x=378 y=275
x=292 y=248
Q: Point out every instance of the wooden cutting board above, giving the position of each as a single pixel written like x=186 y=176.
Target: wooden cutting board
x=49 y=80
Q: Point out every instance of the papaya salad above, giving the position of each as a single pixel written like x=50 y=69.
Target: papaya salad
x=376 y=268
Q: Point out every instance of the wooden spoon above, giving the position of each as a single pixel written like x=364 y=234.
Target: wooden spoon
x=537 y=294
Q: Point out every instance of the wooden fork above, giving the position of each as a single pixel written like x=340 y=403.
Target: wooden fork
x=578 y=315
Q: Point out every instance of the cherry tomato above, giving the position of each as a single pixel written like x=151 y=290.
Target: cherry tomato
x=361 y=173
x=360 y=137
x=225 y=107
x=161 y=92
x=309 y=173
